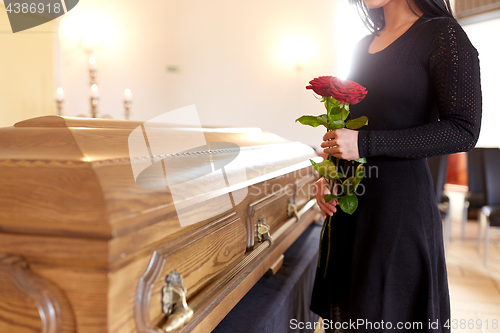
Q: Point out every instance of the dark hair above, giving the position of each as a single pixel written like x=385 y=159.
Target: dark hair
x=374 y=18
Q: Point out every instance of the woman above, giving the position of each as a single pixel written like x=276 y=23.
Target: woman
x=387 y=268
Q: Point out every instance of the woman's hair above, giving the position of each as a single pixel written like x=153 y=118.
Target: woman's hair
x=374 y=18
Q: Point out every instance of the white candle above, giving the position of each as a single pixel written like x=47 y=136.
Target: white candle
x=60 y=95
x=127 y=95
x=92 y=65
x=94 y=91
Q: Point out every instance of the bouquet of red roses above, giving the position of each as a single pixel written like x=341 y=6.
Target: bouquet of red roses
x=337 y=95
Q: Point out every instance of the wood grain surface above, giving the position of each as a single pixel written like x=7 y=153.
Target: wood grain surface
x=80 y=234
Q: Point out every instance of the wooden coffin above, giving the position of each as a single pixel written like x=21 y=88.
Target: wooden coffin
x=101 y=231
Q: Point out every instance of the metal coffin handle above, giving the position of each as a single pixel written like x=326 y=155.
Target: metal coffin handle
x=292 y=210
x=264 y=231
x=177 y=311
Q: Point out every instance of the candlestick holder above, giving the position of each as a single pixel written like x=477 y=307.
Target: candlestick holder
x=128 y=106
x=59 y=106
x=94 y=97
x=92 y=71
x=59 y=101
x=94 y=102
x=127 y=102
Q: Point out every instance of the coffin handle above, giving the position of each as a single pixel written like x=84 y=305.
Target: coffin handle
x=292 y=211
x=177 y=311
x=264 y=231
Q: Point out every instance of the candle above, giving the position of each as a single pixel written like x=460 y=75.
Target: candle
x=127 y=95
x=60 y=95
x=94 y=91
x=92 y=66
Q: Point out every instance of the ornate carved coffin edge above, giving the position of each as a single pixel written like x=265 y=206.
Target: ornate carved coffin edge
x=143 y=295
x=268 y=199
x=247 y=269
x=254 y=206
x=155 y=267
x=49 y=300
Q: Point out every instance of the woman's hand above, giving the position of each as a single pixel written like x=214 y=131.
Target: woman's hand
x=341 y=143
x=320 y=189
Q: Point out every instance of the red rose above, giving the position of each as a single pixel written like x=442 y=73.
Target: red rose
x=321 y=85
x=343 y=91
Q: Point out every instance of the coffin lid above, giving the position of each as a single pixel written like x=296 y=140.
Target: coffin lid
x=104 y=178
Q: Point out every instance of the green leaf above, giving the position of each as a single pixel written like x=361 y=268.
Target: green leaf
x=349 y=186
x=324 y=120
x=360 y=173
x=356 y=123
x=349 y=203
x=326 y=168
x=345 y=114
x=360 y=160
x=335 y=111
x=328 y=104
x=336 y=124
x=310 y=120
x=314 y=121
x=330 y=197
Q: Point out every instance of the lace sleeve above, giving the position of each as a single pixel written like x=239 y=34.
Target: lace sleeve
x=454 y=75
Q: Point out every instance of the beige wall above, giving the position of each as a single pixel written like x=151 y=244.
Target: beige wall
x=488 y=49
x=26 y=71
x=227 y=52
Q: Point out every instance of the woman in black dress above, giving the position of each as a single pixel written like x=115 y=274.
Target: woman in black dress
x=387 y=270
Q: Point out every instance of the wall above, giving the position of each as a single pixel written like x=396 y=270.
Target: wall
x=26 y=71
x=488 y=49
x=227 y=53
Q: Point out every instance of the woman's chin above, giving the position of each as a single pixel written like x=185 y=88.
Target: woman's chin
x=374 y=4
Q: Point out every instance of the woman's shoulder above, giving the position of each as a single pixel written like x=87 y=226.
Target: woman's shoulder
x=445 y=32
x=361 y=46
x=365 y=39
x=444 y=27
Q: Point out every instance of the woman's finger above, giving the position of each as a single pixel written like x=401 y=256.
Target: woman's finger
x=328 y=210
x=331 y=143
x=318 y=190
x=321 y=189
x=332 y=151
x=324 y=210
x=328 y=207
x=330 y=135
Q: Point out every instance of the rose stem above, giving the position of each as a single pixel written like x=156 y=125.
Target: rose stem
x=329 y=218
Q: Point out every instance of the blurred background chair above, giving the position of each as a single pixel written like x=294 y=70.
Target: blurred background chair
x=438 y=166
x=489 y=215
x=476 y=197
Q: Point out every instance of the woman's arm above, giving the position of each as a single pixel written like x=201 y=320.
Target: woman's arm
x=454 y=72
x=455 y=78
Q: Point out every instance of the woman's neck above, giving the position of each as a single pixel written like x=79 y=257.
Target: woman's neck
x=397 y=14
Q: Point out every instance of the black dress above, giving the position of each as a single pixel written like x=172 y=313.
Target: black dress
x=387 y=263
